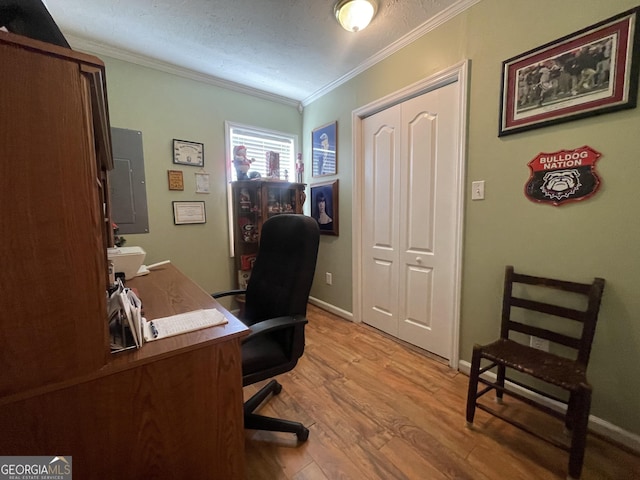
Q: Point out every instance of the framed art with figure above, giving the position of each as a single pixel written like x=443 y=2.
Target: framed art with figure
x=324 y=150
x=324 y=206
x=589 y=72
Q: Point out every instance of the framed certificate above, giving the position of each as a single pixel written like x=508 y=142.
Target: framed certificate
x=185 y=213
x=188 y=153
x=176 y=181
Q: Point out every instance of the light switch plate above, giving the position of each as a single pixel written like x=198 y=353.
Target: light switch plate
x=477 y=190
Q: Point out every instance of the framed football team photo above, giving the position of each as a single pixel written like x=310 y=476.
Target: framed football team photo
x=589 y=72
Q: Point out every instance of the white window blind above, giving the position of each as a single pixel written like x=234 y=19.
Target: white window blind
x=258 y=142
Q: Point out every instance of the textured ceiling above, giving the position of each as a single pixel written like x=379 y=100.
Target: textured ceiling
x=287 y=48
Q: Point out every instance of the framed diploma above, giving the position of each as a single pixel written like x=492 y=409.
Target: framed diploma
x=188 y=153
x=185 y=213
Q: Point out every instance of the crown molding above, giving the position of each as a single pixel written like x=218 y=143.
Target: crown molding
x=433 y=23
x=95 y=48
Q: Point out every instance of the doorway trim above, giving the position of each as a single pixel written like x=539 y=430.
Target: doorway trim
x=455 y=73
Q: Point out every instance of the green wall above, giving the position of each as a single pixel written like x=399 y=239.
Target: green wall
x=164 y=107
x=597 y=237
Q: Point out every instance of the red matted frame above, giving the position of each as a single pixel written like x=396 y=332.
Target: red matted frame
x=586 y=73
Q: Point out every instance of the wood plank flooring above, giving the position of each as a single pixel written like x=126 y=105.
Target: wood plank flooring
x=377 y=409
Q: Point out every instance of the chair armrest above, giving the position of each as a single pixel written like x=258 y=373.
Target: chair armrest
x=275 y=324
x=227 y=293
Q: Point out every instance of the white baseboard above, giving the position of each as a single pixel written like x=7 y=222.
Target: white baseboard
x=331 y=308
x=596 y=425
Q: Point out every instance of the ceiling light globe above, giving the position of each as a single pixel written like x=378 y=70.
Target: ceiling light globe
x=355 y=15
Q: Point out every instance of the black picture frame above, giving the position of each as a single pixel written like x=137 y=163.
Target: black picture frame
x=327 y=215
x=324 y=150
x=589 y=72
x=186 y=213
x=186 y=152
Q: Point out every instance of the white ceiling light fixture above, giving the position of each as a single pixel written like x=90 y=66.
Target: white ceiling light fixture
x=355 y=15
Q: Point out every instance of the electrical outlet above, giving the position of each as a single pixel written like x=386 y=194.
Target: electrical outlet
x=539 y=343
x=328 y=278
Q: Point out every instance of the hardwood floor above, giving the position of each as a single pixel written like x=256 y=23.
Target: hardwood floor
x=379 y=410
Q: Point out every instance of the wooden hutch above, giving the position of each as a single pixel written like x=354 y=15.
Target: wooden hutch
x=172 y=409
x=254 y=201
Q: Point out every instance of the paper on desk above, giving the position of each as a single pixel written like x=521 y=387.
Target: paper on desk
x=132 y=308
x=183 y=323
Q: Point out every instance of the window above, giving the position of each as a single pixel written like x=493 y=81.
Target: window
x=258 y=142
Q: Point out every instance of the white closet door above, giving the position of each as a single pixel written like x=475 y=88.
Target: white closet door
x=380 y=228
x=409 y=216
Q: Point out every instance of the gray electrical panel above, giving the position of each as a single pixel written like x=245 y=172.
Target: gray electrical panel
x=127 y=182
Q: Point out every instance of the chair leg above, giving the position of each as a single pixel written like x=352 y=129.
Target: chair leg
x=473 y=385
x=254 y=421
x=580 y=417
x=500 y=376
x=572 y=408
x=254 y=402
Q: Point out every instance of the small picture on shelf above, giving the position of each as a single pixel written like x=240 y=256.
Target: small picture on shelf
x=248 y=230
x=244 y=200
x=273 y=164
x=243 y=279
x=247 y=261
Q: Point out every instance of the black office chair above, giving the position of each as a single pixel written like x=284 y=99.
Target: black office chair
x=275 y=308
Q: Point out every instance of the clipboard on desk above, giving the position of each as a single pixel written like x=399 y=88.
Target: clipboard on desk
x=164 y=327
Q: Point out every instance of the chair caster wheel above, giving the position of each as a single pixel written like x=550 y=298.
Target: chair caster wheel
x=277 y=389
x=303 y=434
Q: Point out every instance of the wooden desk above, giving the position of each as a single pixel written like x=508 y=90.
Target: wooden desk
x=172 y=409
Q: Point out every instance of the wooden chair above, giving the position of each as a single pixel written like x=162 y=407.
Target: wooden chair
x=528 y=310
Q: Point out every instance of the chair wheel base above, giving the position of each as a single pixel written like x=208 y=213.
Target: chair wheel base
x=277 y=388
x=303 y=435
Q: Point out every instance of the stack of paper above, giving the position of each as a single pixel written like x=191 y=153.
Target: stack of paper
x=182 y=323
x=125 y=319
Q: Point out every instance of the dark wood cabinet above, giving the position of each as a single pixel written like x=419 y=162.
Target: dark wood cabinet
x=254 y=201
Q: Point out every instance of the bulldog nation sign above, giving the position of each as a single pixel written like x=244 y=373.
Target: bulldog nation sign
x=563 y=176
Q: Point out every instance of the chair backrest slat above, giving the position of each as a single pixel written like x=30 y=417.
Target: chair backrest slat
x=582 y=288
x=554 y=337
x=558 y=320
x=549 y=309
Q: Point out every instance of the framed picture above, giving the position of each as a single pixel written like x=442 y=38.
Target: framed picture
x=324 y=206
x=324 y=150
x=188 y=153
x=185 y=213
x=202 y=183
x=176 y=182
x=589 y=72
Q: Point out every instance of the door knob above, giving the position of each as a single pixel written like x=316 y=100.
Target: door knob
x=419 y=259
